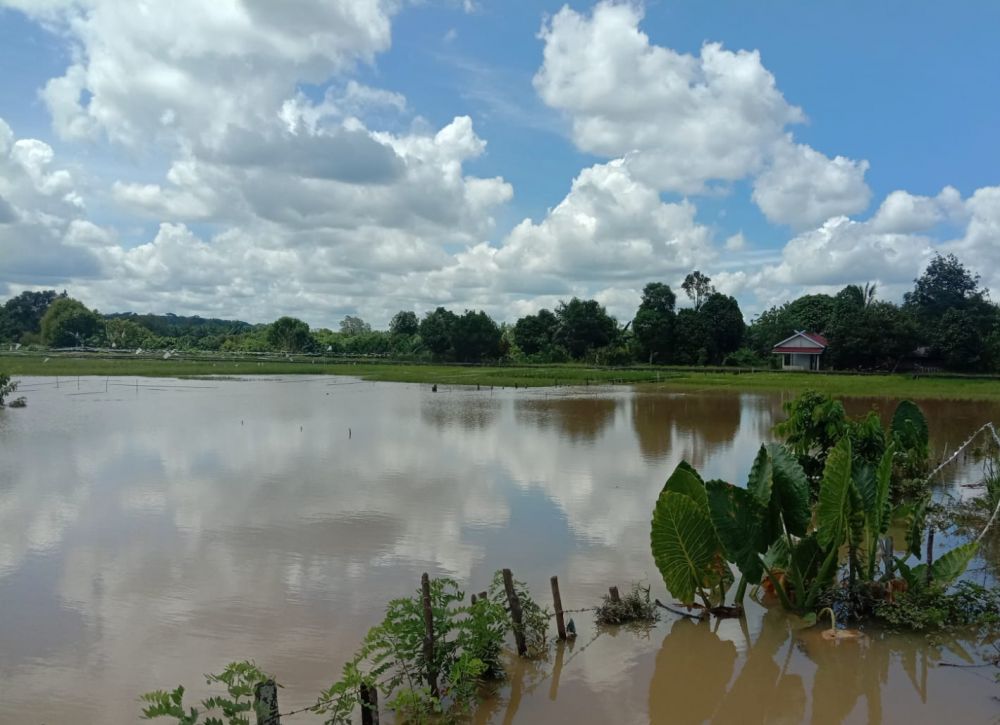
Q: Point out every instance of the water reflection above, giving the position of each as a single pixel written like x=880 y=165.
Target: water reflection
x=154 y=531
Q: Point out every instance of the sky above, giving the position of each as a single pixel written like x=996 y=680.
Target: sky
x=321 y=158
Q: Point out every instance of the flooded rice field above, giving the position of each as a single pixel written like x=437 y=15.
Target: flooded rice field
x=154 y=530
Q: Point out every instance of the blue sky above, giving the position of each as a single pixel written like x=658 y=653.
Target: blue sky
x=185 y=159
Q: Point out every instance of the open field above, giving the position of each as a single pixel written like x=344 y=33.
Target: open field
x=71 y=365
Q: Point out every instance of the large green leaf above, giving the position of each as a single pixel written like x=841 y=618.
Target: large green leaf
x=685 y=480
x=739 y=521
x=909 y=427
x=761 y=481
x=834 y=508
x=791 y=490
x=911 y=517
x=879 y=512
x=684 y=544
x=949 y=566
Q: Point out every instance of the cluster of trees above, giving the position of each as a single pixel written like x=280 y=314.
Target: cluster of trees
x=946 y=321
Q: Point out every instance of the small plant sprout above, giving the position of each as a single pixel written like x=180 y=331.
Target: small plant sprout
x=833 y=634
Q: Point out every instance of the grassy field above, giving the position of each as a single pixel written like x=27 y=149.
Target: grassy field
x=895 y=386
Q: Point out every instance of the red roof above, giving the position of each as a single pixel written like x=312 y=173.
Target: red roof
x=782 y=347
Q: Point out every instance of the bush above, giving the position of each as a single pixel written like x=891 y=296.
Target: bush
x=633 y=608
x=6 y=388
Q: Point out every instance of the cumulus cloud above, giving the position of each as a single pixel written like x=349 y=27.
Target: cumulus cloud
x=801 y=187
x=192 y=70
x=686 y=119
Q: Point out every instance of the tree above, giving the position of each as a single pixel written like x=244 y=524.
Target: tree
x=945 y=285
x=723 y=324
x=436 y=331
x=289 y=334
x=697 y=287
x=691 y=338
x=583 y=326
x=127 y=335
x=535 y=333
x=404 y=322
x=476 y=337
x=351 y=325
x=68 y=323
x=653 y=325
x=23 y=313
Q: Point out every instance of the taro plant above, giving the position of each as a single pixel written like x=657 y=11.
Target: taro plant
x=770 y=530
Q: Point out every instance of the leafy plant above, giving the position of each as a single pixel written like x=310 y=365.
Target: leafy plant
x=631 y=608
x=534 y=618
x=236 y=706
x=933 y=608
x=7 y=387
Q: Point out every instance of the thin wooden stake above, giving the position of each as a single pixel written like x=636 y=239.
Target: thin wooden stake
x=930 y=554
x=425 y=586
x=474 y=600
x=557 y=603
x=615 y=597
x=515 y=612
x=265 y=703
x=482 y=595
x=369 y=705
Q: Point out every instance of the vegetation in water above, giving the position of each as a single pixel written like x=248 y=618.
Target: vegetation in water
x=811 y=542
x=440 y=683
x=7 y=388
x=633 y=607
x=235 y=707
x=929 y=608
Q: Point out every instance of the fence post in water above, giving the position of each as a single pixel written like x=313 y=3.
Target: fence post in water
x=369 y=705
x=473 y=600
x=482 y=595
x=265 y=703
x=425 y=587
x=930 y=554
x=557 y=603
x=515 y=612
x=613 y=591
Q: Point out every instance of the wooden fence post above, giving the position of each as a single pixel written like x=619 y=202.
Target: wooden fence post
x=265 y=703
x=930 y=554
x=425 y=586
x=369 y=705
x=482 y=595
x=613 y=591
x=557 y=602
x=515 y=612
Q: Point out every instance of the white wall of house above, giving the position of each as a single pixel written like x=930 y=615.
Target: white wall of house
x=799 y=361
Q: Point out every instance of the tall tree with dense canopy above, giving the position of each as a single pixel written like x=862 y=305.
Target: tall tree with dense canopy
x=653 y=325
x=404 y=322
x=289 y=334
x=476 y=337
x=723 y=325
x=584 y=325
x=534 y=334
x=68 y=323
x=23 y=313
x=437 y=331
x=352 y=325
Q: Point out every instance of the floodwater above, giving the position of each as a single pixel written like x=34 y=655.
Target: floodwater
x=154 y=530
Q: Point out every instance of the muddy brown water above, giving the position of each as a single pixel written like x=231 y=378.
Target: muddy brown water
x=153 y=530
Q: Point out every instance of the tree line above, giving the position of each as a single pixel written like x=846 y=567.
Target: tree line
x=946 y=321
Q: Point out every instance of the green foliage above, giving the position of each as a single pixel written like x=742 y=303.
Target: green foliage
x=475 y=337
x=697 y=287
x=68 y=323
x=288 y=334
x=352 y=325
x=437 y=332
x=583 y=325
x=724 y=326
x=7 y=387
x=685 y=547
x=653 y=325
x=22 y=315
x=815 y=424
x=236 y=706
x=921 y=609
x=534 y=618
x=404 y=322
x=633 y=607
x=535 y=334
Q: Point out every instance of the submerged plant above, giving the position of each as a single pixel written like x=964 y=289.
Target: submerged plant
x=634 y=607
x=236 y=706
x=7 y=387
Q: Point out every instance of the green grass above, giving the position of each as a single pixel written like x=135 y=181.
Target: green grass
x=891 y=386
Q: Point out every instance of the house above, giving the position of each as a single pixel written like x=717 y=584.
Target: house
x=801 y=351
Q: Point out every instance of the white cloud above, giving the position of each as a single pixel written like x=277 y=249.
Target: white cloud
x=684 y=119
x=802 y=187
x=142 y=72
